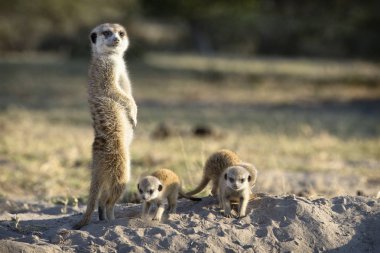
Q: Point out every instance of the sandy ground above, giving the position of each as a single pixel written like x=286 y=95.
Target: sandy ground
x=274 y=224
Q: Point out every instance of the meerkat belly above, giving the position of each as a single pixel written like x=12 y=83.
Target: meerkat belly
x=112 y=125
x=127 y=128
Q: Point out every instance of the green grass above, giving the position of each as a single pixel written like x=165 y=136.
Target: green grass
x=293 y=115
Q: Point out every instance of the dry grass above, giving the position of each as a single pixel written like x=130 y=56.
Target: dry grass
x=293 y=115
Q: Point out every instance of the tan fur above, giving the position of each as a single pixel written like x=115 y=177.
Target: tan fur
x=113 y=112
x=160 y=185
x=213 y=168
x=235 y=185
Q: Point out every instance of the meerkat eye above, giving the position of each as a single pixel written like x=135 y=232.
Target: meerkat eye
x=121 y=34
x=106 y=33
x=141 y=192
x=231 y=179
x=151 y=192
x=242 y=180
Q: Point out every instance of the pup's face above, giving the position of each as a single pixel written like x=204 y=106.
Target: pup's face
x=109 y=39
x=237 y=178
x=149 y=188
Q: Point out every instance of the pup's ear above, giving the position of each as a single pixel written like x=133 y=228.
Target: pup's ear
x=225 y=176
x=160 y=188
x=93 y=37
x=249 y=178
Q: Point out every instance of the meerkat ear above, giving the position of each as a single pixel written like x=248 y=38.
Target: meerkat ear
x=93 y=37
x=225 y=176
x=160 y=188
x=249 y=178
x=138 y=187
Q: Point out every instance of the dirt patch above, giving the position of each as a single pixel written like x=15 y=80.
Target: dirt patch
x=273 y=223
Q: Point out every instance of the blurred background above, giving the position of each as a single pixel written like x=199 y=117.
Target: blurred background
x=293 y=87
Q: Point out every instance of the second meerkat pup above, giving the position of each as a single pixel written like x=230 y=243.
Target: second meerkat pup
x=114 y=113
x=235 y=184
x=160 y=185
x=214 y=167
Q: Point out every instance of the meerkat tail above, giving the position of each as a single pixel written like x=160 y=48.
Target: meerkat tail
x=184 y=195
x=200 y=187
x=94 y=195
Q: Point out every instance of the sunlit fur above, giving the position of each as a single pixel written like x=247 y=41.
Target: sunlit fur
x=115 y=43
x=237 y=178
x=114 y=114
x=235 y=184
x=214 y=167
x=161 y=185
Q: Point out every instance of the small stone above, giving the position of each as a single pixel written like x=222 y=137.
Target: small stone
x=338 y=208
x=57 y=239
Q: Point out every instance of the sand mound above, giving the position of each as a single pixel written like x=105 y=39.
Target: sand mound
x=274 y=223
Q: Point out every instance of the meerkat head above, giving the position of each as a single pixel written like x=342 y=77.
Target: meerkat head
x=149 y=188
x=109 y=39
x=237 y=177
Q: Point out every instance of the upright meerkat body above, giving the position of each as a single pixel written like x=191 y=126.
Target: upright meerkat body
x=114 y=113
x=235 y=184
x=160 y=185
x=214 y=167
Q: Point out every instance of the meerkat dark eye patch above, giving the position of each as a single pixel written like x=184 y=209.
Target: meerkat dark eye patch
x=242 y=180
x=121 y=34
x=107 y=33
x=93 y=37
x=231 y=179
x=249 y=178
x=160 y=188
x=150 y=192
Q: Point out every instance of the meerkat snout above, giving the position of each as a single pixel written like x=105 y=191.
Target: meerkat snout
x=149 y=188
x=237 y=178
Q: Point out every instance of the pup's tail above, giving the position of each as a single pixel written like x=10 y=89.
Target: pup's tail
x=200 y=187
x=184 y=195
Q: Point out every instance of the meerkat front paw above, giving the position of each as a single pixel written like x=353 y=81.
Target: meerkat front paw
x=156 y=219
x=227 y=214
x=133 y=121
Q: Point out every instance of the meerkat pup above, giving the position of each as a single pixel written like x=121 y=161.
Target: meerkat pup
x=235 y=184
x=155 y=189
x=114 y=113
x=214 y=167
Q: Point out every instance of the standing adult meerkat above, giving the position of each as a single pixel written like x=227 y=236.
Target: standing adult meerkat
x=114 y=113
x=235 y=184
x=214 y=167
x=161 y=185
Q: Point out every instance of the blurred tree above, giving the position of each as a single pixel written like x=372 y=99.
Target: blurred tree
x=335 y=28
x=55 y=24
x=209 y=21
x=317 y=28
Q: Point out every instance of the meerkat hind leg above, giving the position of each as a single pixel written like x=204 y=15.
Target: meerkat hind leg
x=214 y=190
x=102 y=206
x=114 y=196
x=172 y=201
